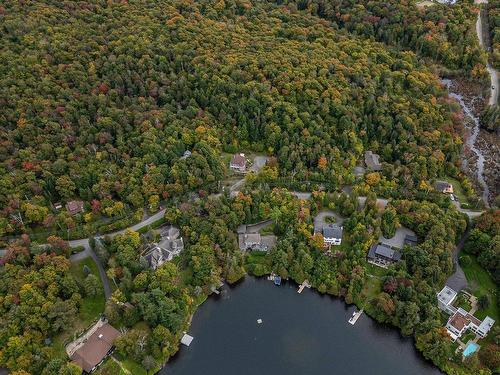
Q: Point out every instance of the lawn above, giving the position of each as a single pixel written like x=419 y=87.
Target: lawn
x=370 y=290
x=480 y=282
x=90 y=308
x=374 y=270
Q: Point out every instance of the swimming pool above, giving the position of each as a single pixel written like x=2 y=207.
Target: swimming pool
x=471 y=348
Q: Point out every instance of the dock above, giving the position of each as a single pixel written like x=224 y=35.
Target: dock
x=305 y=284
x=186 y=339
x=355 y=316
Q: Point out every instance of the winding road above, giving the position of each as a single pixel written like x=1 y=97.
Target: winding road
x=493 y=73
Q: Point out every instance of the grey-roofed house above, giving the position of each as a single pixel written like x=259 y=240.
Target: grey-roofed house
x=382 y=255
x=169 y=246
x=332 y=234
x=372 y=161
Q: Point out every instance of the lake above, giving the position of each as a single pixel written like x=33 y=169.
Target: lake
x=300 y=334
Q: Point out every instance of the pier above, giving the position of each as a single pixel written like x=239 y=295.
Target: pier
x=355 y=316
x=305 y=284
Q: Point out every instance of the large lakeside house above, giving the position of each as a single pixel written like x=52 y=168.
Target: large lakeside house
x=169 y=246
x=332 y=234
x=460 y=320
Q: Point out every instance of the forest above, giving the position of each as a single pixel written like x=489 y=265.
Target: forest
x=101 y=100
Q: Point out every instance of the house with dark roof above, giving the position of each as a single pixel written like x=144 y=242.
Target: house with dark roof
x=383 y=255
x=372 y=161
x=92 y=352
x=332 y=234
x=410 y=240
x=75 y=207
x=238 y=163
x=443 y=187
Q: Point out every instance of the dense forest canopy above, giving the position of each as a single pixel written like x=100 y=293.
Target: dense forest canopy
x=101 y=99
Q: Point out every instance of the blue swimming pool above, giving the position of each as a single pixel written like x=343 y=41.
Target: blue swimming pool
x=471 y=348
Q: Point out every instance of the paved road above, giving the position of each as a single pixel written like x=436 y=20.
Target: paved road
x=493 y=73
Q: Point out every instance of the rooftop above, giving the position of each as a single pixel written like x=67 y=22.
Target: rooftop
x=332 y=231
x=239 y=160
x=446 y=295
x=96 y=347
x=372 y=161
x=384 y=251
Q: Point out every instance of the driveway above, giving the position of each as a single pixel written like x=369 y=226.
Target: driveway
x=320 y=218
x=457 y=281
x=88 y=252
x=398 y=239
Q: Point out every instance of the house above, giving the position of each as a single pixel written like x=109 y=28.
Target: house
x=446 y=297
x=382 y=255
x=332 y=234
x=238 y=163
x=461 y=321
x=74 y=207
x=249 y=237
x=410 y=240
x=155 y=256
x=372 y=161
x=443 y=187
x=186 y=154
x=169 y=246
x=95 y=348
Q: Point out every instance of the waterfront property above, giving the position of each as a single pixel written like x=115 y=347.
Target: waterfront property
x=460 y=320
x=382 y=255
x=471 y=348
x=332 y=234
x=249 y=237
x=169 y=246
x=446 y=297
x=238 y=163
x=90 y=350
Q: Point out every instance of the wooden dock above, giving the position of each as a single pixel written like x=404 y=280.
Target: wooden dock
x=305 y=284
x=355 y=316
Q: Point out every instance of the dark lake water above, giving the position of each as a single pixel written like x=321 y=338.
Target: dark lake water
x=301 y=334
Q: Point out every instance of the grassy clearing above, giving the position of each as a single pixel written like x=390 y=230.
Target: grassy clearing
x=370 y=290
x=90 y=308
x=374 y=270
x=480 y=283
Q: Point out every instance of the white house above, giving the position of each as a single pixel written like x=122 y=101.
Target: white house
x=332 y=234
x=446 y=297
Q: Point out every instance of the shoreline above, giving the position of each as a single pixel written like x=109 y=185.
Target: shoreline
x=334 y=298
